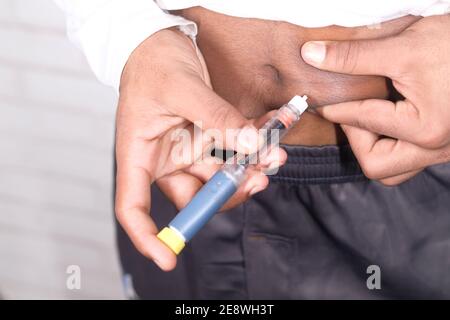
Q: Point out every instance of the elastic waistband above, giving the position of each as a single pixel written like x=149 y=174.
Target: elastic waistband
x=319 y=165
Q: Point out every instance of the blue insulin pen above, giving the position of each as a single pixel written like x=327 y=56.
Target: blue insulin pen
x=216 y=192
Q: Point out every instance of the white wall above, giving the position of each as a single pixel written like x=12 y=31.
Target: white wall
x=56 y=147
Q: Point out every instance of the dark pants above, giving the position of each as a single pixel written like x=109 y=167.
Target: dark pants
x=312 y=235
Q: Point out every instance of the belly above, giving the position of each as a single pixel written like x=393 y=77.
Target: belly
x=256 y=65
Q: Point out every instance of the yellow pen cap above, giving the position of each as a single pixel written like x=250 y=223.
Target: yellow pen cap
x=172 y=239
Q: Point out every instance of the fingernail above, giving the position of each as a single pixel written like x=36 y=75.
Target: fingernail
x=314 y=52
x=272 y=159
x=273 y=165
x=248 y=138
x=272 y=170
x=256 y=190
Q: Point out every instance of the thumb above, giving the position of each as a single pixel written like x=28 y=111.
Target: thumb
x=227 y=126
x=359 y=57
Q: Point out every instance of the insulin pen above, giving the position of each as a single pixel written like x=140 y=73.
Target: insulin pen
x=224 y=183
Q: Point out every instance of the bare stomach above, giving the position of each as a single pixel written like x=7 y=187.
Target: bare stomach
x=256 y=65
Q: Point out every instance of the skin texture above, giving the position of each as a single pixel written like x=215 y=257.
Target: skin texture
x=257 y=66
x=393 y=141
x=165 y=86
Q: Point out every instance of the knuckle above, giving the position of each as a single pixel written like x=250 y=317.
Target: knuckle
x=346 y=55
x=444 y=155
x=220 y=116
x=442 y=136
x=366 y=112
x=435 y=137
x=120 y=213
x=370 y=168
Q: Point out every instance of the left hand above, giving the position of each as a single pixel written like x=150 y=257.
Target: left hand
x=395 y=141
x=164 y=91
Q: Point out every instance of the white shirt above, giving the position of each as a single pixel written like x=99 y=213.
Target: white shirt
x=108 y=31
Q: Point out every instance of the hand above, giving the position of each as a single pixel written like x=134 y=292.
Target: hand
x=165 y=87
x=395 y=141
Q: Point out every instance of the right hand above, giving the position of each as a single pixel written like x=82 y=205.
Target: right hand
x=394 y=141
x=165 y=86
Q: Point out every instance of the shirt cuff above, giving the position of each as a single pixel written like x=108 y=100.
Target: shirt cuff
x=110 y=36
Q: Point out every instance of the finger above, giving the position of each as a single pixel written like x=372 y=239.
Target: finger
x=180 y=188
x=361 y=141
x=180 y=197
x=132 y=210
x=397 y=120
x=186 y=146
x=256 y=181
x=204 y=169
x=259 y=122
x=191 y=144
x=364 y=57
x=366 y=147
x=396 y=180
x=202 y=106
x=271 y=163
x=385 y=158
x=193 y=178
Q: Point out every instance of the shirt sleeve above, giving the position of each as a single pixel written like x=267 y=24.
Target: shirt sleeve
x=108 y=31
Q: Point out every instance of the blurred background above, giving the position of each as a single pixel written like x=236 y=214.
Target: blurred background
x=56 y=161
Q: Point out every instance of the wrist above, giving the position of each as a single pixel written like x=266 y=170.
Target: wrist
x=154 y=53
